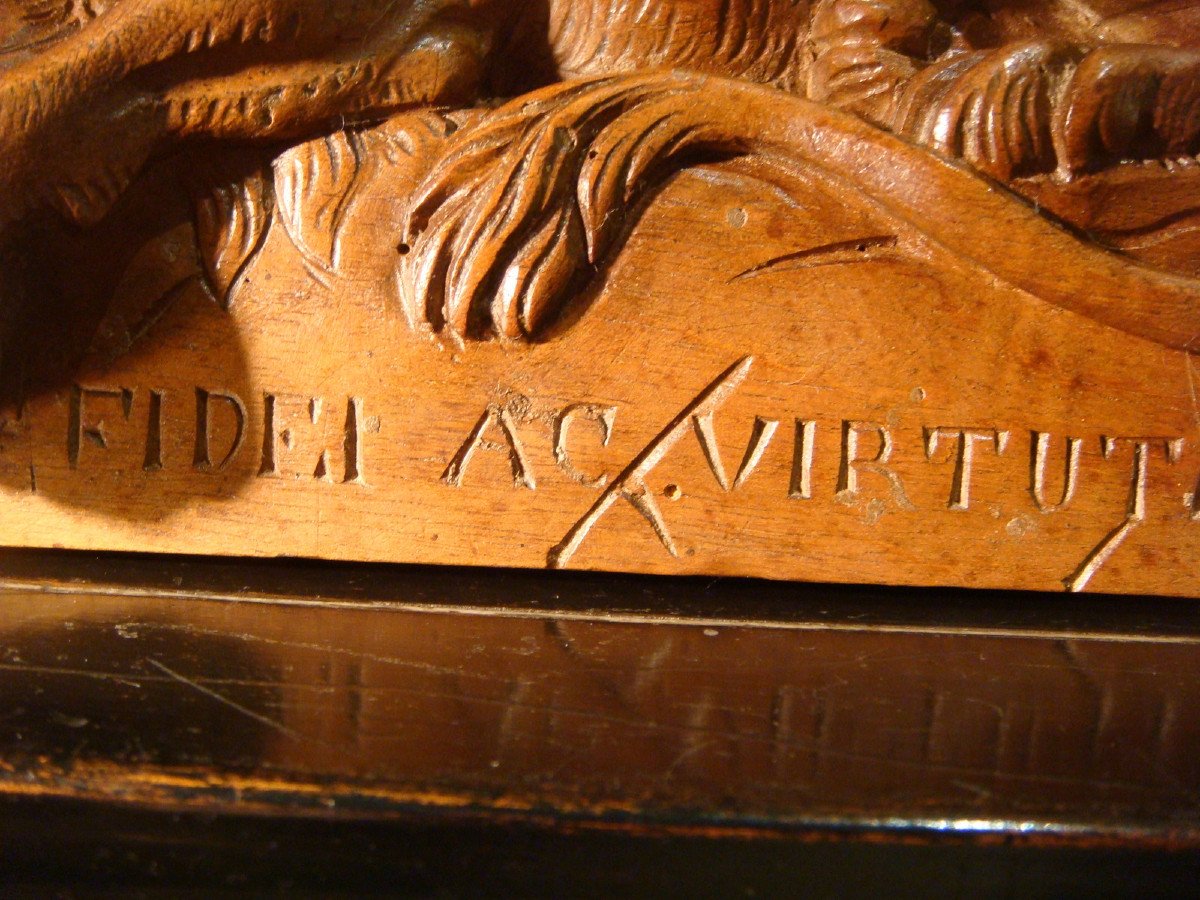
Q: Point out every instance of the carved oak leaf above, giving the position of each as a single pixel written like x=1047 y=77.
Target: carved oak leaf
x=234 y=214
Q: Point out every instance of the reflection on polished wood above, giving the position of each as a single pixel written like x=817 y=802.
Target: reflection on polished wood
x=174 y=683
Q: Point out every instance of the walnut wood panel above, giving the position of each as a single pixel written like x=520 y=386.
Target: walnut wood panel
x=898 y=293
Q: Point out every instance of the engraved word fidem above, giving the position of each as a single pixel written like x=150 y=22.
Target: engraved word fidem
x=219 y=424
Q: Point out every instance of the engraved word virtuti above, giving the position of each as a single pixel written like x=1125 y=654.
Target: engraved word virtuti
x=886 y=291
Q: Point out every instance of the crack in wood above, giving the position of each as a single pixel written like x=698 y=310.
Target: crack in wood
x=631 y=485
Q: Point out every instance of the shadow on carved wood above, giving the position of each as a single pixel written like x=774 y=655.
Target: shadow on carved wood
x=482 y=166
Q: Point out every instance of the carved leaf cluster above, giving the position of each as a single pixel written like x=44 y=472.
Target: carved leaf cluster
x=310 y=190
x=316 y=184
x=519 y=210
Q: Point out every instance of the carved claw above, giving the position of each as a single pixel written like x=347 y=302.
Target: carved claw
x=522 y=207
x=991 y=109
x=518 y=207
x=1130 y=102
x=1036 y=107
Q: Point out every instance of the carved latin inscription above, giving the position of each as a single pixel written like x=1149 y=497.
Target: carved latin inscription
x=83 y=426
x=494 y=418
x=802 y=461
x=1135 y=512
x=205 y=402
x=604 y=417
x=853 y=462
x=153 y=461
x=352 y=445
x=760 y=438
x=283 y=417
x=222 y=423
x=964 y=461
x=631 y=485
x=1040 y=455
x=871 y=192
x=311 y=439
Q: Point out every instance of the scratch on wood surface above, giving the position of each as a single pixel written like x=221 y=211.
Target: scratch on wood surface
x=624 y=617
x=631 y=485
x=855 y=250
x=358 y=655
x=70 y=673
x=225 y=701
x=1191 y=378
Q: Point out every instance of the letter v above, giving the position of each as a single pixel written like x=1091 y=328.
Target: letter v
x=760 y=438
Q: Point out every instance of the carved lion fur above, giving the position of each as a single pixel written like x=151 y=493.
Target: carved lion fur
x=611 y=94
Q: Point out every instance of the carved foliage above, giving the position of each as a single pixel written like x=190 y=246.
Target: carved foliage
x=316 y=183
x=519 y=208
x=233 y=220
x=311 y=191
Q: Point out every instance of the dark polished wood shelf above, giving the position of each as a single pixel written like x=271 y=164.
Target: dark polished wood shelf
x=183 y=723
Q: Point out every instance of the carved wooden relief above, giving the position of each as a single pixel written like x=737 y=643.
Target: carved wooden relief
x=889 y=291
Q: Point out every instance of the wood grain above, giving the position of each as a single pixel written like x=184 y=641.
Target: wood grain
x=450 y=691
x=176 y=725
x=733 y=310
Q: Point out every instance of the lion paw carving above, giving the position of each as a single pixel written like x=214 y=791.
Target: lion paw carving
x=520 y=209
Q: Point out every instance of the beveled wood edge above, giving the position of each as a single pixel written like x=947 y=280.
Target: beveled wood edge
x=636 y=599
x=660 y=603
x=211 y=793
